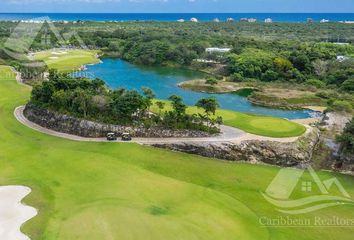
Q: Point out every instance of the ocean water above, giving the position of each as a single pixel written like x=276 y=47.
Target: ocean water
x=277 y=17
x=164 y=82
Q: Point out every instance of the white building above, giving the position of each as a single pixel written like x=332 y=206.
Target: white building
x=230 y=20
x=324 y=21
x=252 y=20
x=342 y=58
x=218 y=50
x=268 y=20
x=180 y=20
x=194 y=20
x=341 y=43
x=216 y=20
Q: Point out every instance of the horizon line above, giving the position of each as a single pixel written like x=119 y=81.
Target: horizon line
x=177 y=12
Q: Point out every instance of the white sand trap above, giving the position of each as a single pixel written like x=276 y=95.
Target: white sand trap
x=53 y=57
x=59 y=53
x=13 y=213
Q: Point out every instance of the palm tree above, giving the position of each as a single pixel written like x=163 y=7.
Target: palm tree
x=209 y=105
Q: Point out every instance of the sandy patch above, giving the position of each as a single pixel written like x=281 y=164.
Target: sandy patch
x=53 y=57
x=200 y=85
x=286 y=93
x=59 y=53
x=316 y=108
x=13 y=213
x=307 y=121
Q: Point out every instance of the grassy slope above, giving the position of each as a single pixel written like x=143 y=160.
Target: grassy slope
x=68 y=62
x=90 y=191
x=256 y=124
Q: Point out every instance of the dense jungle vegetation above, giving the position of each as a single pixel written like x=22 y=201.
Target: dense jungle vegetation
x=288 y=52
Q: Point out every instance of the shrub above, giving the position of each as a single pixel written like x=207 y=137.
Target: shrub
x=237 y=77
x=270 y=75
x=347 y=138
x=211 y=81
x=323 y=94
x=348 y=85
x=341 y=106
x=316 y=83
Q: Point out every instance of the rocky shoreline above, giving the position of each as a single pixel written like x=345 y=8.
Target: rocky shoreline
x=278 y=104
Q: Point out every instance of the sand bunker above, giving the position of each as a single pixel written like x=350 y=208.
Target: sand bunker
x=59 y=53
x=13 y=213
x=53 y=57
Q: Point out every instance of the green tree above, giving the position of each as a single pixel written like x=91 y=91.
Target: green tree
x=161 y=106
x=211 y=81
x=42 y=93
x=348 y=85
x=347 y=138
x=316 y=83
x=209 y=105
x=341 y=106
x=178 y=105
x=82 y=101
x=127 y=104
x=150 y=95
x=320 y=67
x=53 y=75
x=60 y=99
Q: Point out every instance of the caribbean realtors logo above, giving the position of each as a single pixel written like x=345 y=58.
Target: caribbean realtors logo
x=285 y=186
x=28 y=33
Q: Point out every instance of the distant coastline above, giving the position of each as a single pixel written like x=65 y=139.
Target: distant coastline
x=172 y=17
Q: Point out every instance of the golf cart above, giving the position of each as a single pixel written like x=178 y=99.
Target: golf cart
x=126 y=137
x=111 y=137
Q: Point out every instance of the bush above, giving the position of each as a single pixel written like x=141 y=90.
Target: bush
x=341 y=106
x=323 y=94
x=348 y=85
x=316 y=83
x=211 y=81
x=237 y=77
x=270 y=75
x=347 y=138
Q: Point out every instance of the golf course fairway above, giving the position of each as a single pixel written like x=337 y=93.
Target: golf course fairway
x=67 y=60
x=90 y=191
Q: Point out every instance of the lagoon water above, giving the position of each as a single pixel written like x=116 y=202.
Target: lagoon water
x=164 y=82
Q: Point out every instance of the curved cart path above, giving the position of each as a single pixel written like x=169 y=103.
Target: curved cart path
x=229 y=134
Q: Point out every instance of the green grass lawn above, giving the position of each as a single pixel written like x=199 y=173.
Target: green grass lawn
x=67 y=60
x=256 y=124
x=91 y=191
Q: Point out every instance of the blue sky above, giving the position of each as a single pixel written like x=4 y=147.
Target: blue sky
x=194 y=6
